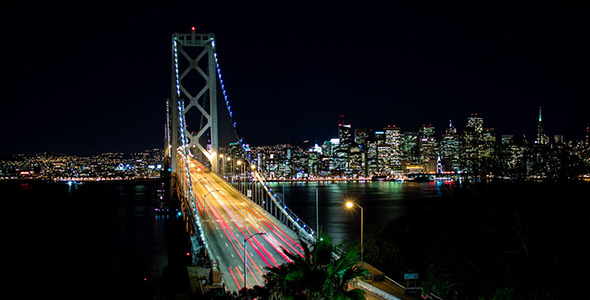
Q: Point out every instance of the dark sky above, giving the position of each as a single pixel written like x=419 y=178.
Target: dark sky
x=93 y=77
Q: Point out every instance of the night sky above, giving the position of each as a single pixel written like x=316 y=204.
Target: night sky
x=89 y=78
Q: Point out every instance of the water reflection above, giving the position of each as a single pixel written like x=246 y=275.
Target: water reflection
x=382 y=201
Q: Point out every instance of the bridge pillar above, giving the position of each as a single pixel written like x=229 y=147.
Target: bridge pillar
x=194 y=77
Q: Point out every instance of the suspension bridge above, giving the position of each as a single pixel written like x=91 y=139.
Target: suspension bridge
x=237 y=223
x=235 y=220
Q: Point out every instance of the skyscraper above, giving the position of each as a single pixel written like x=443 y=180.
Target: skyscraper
x=374 y=142
x=472 y=138
x=487 y=149
x=410 y=147
x=360 y=136
x=511 y=156
x=393 y=139
x=341 y=152
x=450 y=148
x=475 y=122
x=427 y=143
x=344 y=132
x=541 y=136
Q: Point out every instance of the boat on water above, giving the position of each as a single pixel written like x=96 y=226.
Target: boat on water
x=421 y=179
x=164 y=209
x=379 y=178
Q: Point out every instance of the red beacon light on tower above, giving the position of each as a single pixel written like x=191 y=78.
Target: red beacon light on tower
x=193 y=28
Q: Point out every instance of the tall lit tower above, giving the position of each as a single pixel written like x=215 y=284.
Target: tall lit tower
x=193 y=89
x=426 y=143
x=472 y=144
x=344 y=131
x=393 y=139
x=476 y=123
x=541 y=137
x=450 y=148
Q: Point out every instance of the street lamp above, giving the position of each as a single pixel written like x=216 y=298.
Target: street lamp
x=317 y=216
x=246 y=257
x=240 y=188
x=252 y=179
x=230 y=176
x=350 y=204
x=209 y=193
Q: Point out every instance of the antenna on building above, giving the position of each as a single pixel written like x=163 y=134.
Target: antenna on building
x=340 y=120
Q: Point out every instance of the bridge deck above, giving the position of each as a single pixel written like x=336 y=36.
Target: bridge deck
x=228 y=219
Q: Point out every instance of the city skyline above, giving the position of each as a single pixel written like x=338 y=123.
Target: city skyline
x=439 y=132
x=78 y=84
x=461 y=124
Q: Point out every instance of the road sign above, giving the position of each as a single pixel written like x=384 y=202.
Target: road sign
x=411 y=276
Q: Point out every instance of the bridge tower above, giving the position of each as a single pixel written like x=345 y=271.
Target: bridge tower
x=193 y=89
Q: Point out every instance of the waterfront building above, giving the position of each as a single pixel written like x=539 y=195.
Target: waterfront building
x=361 y=136
x=472 y=138
x=299 y=163
x=410 y=148
x=356 y=159
x=450 y=149
x=559 y=139
x=313 y=162
x=488 y=143
x=345 y=132
x=393 y=140
x=487 y=151
x=427 y=143
x=340 y=160
x=475 y=122
x=329 y=146
x=542 y=138
x=372 y=160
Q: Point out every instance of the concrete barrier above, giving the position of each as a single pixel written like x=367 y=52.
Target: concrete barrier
x=367 y=287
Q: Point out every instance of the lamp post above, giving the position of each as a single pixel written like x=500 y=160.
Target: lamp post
x=350 y=204
x=209 y=193
x=243 y=176
x=317 y=216
x=246 y=257
x=222 y=165
x=230 y=163
x=239 y=162
x=252 y=179
x=204 y=199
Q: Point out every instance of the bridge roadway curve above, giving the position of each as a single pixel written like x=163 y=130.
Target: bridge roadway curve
x=229 y=218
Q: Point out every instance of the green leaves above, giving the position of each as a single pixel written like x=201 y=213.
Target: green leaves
x=316 y=275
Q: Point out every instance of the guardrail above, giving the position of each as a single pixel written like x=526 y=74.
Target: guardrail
x=404 y=288
x=304 y=231
x=367 y=287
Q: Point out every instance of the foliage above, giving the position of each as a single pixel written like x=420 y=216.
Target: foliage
x=316 y=274
x=492 y=241
x=438 y=284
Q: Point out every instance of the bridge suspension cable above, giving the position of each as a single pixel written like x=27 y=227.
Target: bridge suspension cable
x=196 y=77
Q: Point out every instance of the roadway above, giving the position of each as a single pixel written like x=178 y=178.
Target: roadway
x=229 y=218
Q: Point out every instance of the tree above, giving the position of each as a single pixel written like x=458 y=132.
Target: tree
x=318 y=274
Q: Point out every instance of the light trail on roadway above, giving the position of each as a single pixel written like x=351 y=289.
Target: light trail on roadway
x=228 y=218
